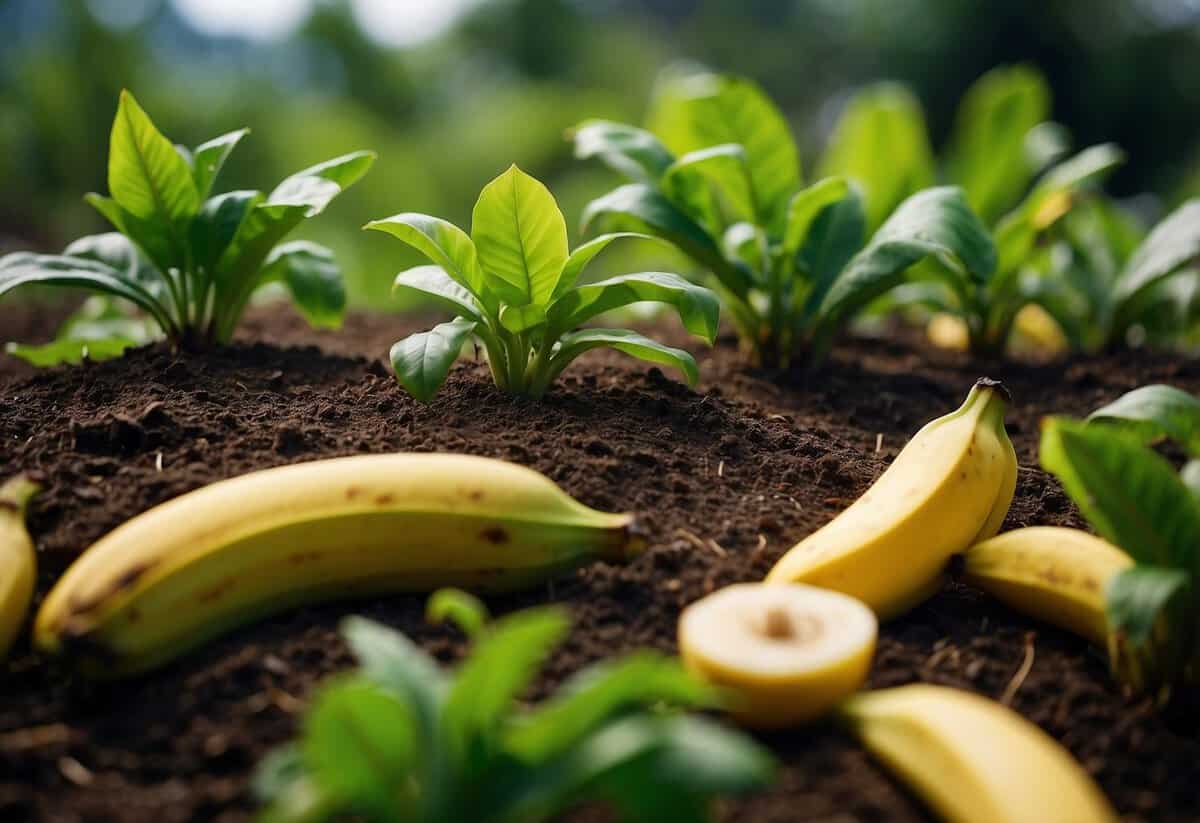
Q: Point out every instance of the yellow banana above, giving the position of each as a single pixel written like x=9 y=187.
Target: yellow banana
x=1055 y=574
x=950 y=485
x=787 y=653
x=225 y=554
x=972 y=759
x=948 y=331
x=18 y=562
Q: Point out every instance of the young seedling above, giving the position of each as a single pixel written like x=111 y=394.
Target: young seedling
x=401 y=740
x=188 y=259
x=514 y=288
x=721 y=181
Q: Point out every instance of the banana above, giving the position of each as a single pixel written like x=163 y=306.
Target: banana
x=18 y=562
x=203 y=563
x=786 y=653
x=951 y=485
x=948 y=331
x=972 y=759
x=1055 y=574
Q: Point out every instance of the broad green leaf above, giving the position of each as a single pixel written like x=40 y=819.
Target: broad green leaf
x=71 y=350
x=711 y=110
x=574 y=344
x=718 y=174
x=639 y=208
x=521 y=238
x=360 y=745
x=99 y=330
x=146 y=175
x=1046 y=144
x=698 y=307
x=1152 y=626
x=1154 y=412
x=805 y=207
x=987 y=152
x=314 y=279
x=628 y=150
x=1129 y=494
x=518 y=319
x=1172 y=245
x=115 y=249
x=442 y=242
x=747 y=243
x=579 y=259
x=598 y=694
x=209 y=157
x=283 y=781
x=315 y=186
x=216 y=224
x=1190 y=475
x=158 y=243
x=433 y=283
x=835 y=235
x=880 y=143
x=503 y=661
x=423 y=360
x=462 y=608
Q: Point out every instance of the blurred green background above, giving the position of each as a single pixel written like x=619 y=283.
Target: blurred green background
x=449 y=92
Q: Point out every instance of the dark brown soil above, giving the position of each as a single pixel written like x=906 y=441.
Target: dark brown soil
x=746 y=466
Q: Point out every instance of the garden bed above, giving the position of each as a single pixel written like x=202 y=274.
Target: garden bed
x=728 y=477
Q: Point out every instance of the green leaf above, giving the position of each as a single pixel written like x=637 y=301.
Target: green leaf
x=1152 y=626
x=99 y=330
x=1154 y=412
x=462 y=608
x=503 y=660
x=578 y=259
x=636 y=345
x=698 y=307
x=806 y=206
x=747 y=243
x=209 y=157
x=146 y=175
x=442 y=242
x=600 y=693
x=317 y=185
x=628 y=150
x=433 y=283
x=1172 y=245
x=1129 y=494
x=835 y=235
x=423 y=360
x=314 y=279
x=115 y=249
x=880 y=143
x=935 y=223
x=519 y=319
x=70 y=350
x=1190 y=475
x=521 y=237
x=155 y=241
x=987 y=151
x=283 y=781
x=692 y=179
x=216 y=224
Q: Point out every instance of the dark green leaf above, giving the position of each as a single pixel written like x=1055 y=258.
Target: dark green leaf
x=157 y=243
x=1154 y=412
x=314 y=279
x=1173 y=244
x=1152 y=626
x=578 y=259
x=692 y=180
x=216 y=224
x=1129 y=494
x=146 y=175
x=442 y=242
x=835 y=235
x=631 y=151
x=636 y=345
x=209 y=157
x=115 y=249
x=432 y=282
x=698 y=307
x=806 y=206
x=423 y=360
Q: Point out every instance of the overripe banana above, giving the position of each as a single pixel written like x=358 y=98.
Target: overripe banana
x=238 y=549
x=972 y=759
x=1055 y=574
x=18 y=562
x=786 y=653
x=950 y=487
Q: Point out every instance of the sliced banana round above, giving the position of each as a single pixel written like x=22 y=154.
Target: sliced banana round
x=787 y=652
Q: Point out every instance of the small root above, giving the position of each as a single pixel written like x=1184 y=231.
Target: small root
x=1010 y=691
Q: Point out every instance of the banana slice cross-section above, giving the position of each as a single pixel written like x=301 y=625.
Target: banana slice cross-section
x=787 y=653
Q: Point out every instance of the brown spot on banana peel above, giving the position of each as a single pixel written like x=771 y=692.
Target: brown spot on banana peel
x=495 y=535
x=385 y=499
x=300 y=558
x=216 y=592
x=126 y=580
x=353 y=492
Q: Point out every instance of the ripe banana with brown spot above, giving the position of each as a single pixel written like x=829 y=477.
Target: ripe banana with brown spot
x=240 y=549
x=950 y=487
x=18 y=561
x=1054 y=574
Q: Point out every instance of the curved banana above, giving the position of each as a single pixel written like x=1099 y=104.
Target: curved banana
x=950 y=485
x=215 y=558
x=948 y=331
x=972 y=759
x=18 y=561
x=1052 y=573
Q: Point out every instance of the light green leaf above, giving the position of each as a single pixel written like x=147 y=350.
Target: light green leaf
x=102 y=328
x=578 y=259
x=423 y=360
x=698 y=307
x=881 y=144
x=1190 y=475
x=628 y=150
x=1172 y=245
x=70 y=351
x=1129 y=494
x=442 y=242
x=155 y=241
x=574 y=344
x=804 y=208
x=518 y=319
x=432 y=282
x=462 y=608
x=521 y=237
x=747 y=243
x=209 y=157
x=1152 y=413
x=314 y=279
x=317 y=185
x=692 y=180
x=146 y=175
x=987 y=152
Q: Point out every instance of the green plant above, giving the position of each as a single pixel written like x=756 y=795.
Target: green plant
x=514 y=288
x=721 y=181
x=188 y=259
x=1133 y=497
x=401 y=740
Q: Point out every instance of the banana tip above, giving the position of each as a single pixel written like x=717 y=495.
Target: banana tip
x=995 y=385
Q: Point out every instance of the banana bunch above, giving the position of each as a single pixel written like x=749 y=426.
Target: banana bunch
x=208 y=561
x=18 y=563
x=949 y=488
x=1054 y=574
x=972 y=759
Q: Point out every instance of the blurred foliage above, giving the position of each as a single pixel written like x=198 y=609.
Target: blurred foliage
x=504 y=83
